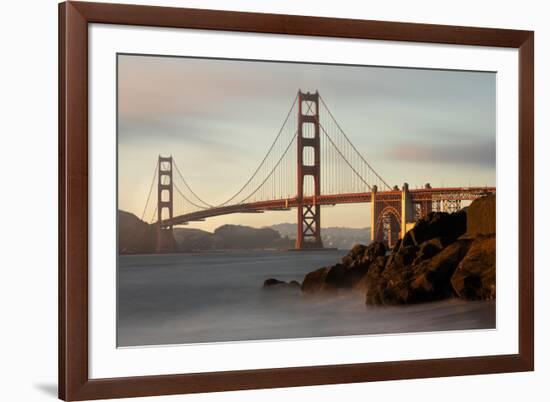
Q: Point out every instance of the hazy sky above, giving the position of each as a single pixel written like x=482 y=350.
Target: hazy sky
x=218 y=118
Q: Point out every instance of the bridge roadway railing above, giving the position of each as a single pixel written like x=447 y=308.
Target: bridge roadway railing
x=450 y=193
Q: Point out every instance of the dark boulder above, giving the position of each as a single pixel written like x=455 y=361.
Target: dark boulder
x=273 y=283
x=333 y=278
x=374 y=250
x=432 y=277
x=354 y=255
x=337 y=277
x=313 y=282
x=403 y=257
x=447 y=227
x=350 y=273
x=429 y=280
x=482 y=216
x=364 y=255
x=429 y=249
x=475 y=277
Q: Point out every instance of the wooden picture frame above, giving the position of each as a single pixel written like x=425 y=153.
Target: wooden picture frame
x=74 y=381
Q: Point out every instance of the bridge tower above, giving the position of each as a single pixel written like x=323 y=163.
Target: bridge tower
x=309 y=168
x=165 y=206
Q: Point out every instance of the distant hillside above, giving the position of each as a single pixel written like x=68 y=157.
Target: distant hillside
x=338 y=237
x=229 y=237
x=137 y=237
x=134 y=235
x=194 y=239
x=237 y=236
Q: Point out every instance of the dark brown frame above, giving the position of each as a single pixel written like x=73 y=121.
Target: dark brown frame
x=74 y=17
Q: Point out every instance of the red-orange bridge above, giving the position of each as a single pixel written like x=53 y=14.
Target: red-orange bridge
x=310 y=164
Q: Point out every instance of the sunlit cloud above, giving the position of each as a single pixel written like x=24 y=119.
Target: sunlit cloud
x=474 y=151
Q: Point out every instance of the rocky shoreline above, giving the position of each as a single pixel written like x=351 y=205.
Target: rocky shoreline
x=444 y=256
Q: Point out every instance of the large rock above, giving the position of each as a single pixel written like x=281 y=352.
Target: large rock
x=273 y=283
x=314 y=281
x=475 y=277
x=441 y=256
x=350 y=273
x=481 y=216
x=447 y=227
x=333 y=278
x=361 y=254
x=403 y=257
x=428 y=280
x=429 y=249
x=432 y=279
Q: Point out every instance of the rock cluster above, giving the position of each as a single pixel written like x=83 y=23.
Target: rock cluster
x=444 y=255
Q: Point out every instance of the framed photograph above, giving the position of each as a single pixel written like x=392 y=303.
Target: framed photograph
x=260 y=200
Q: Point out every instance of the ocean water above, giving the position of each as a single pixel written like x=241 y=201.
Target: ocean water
x=218 y=296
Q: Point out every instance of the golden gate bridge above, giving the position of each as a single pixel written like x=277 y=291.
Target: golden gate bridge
x=311 y=163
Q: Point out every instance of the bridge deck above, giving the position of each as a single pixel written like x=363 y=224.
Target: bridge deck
x=418 y=195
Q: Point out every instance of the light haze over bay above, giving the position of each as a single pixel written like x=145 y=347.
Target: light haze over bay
x=217 y=118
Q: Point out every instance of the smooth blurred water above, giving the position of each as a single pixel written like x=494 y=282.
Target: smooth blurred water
x=213 y=297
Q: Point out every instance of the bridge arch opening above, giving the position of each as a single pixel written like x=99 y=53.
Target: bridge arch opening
x=388 y=225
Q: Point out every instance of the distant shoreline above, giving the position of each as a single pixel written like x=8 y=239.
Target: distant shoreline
x=138 y=237
x=232 y=251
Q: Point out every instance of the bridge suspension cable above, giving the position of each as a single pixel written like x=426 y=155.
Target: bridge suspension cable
x=187 y=199
x=359 y=154
x=266 y=182
x=205 y=204
x=272 y=170
x=154 y=214
x=359 y=176
x=265 y=158
x=150 y=190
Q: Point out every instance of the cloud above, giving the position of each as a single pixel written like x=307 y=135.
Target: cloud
x=469 y=151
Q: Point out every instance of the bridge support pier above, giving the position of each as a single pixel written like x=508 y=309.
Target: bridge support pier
x=374 y=215
x=166 y=242
x=407 y=210
x=308 y=141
